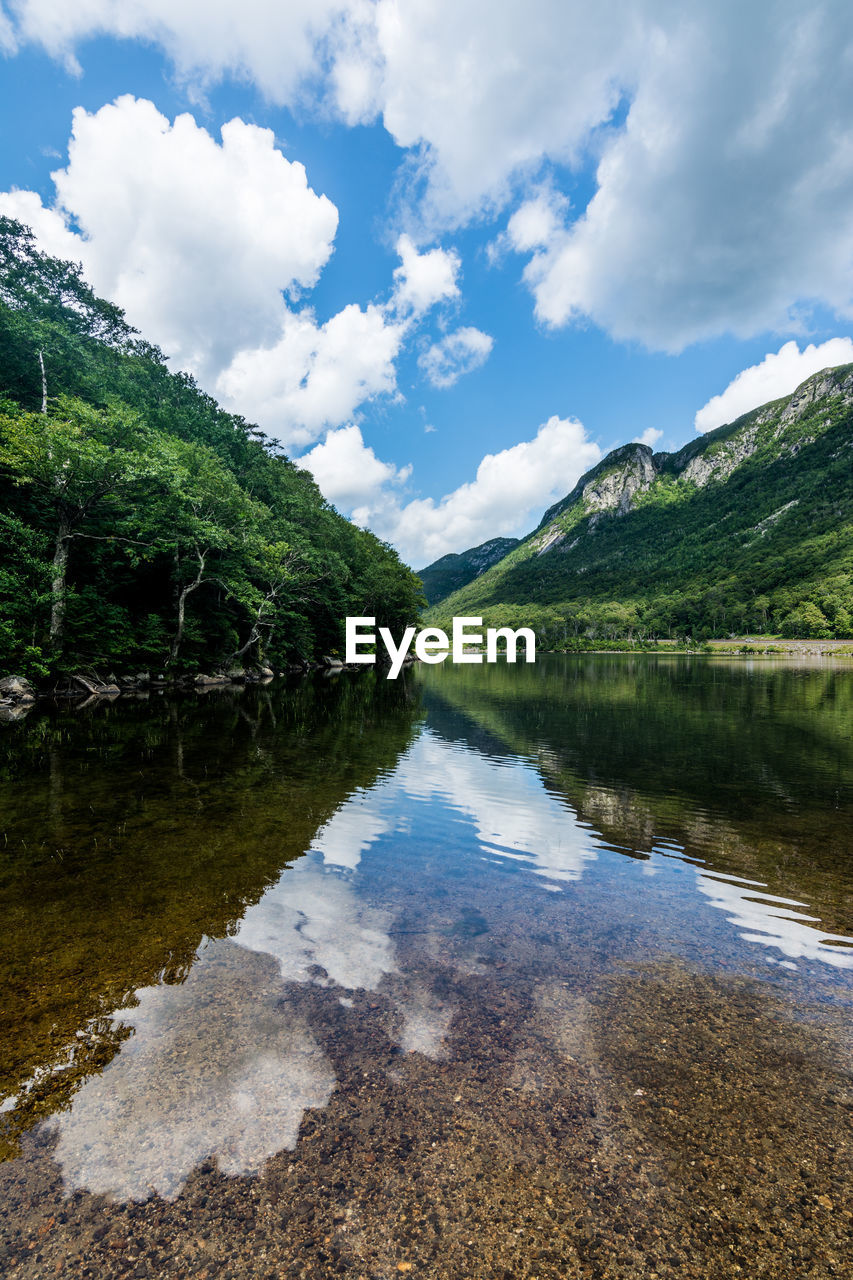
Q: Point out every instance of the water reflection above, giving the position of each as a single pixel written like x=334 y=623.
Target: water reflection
x=344 y=933
x=225 y=1064
x=512 y=813
x=316 y=926
x=351 y=830
x=777 y=923
x=211 y=1068
x=132 y=831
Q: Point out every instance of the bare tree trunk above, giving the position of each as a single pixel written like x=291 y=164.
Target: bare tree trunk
x=58 y=586
x=254 y=636
x=182 y=605
x=255 y=632
x=43 y=383
x=179 y=630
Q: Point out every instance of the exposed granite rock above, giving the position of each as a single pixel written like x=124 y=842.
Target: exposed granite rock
x=551 y=538
x=827 y=383
x=612 y=487
x=634 y=476
x=770 y=520
x=16 y=689
x=614 y=490
x=719 y=463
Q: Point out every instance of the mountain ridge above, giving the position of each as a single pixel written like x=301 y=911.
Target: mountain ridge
x=694 y=508
x=459 y=568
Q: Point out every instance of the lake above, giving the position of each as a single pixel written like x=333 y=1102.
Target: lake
x=485 y=972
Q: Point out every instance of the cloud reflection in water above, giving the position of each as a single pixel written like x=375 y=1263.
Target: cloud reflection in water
x=212 y=1069
x=224 y=1065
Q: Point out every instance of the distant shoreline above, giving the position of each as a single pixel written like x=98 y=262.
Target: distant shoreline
x=740 y=646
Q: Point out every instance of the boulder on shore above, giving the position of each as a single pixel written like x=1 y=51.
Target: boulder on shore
x=17 y=689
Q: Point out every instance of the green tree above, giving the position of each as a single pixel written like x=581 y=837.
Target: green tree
x=806 y=622
x=82 y=461
x=139 y=522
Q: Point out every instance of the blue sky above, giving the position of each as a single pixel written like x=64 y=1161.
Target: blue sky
x=450 y=255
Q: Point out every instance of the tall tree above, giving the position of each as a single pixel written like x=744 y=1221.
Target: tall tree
x=209 y=523
x=79 y=459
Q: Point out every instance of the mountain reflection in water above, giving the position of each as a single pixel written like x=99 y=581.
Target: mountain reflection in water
x=533 y=843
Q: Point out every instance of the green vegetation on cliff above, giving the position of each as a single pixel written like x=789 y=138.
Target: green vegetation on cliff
x=140 y=524
x=748 y=529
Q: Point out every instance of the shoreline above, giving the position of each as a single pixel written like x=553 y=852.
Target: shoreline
x=739 y=646
x=18 y=694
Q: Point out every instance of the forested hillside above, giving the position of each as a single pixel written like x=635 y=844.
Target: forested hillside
x=747 y=529
x=141 y=526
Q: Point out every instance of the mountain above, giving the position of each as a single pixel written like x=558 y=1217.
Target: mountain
x=749 y=527
x=453 y=571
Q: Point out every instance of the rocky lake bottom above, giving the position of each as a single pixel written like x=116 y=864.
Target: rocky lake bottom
x=488 y=973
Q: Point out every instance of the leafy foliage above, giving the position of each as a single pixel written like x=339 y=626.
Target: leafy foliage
x=141 y=524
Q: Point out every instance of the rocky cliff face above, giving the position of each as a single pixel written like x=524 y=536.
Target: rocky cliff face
x=826 y=385
x=615 y=484
x=732 y=445
x=488 y=553
x=609 y=488
x=611 y=484
x=616 y=489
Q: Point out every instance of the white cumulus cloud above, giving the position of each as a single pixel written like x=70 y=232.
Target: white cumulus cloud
x=718 y=136
x=314 y=376
x=650 y=436
x=485 y=90
x=278 y=47
x=194 y=238
x=348 y=471
x=508 y=494
x=460 y=352
x=207 y=245
x=725 y=197
x=424 y=279
x=778 y=374
x=482 y=89
x=537 y=222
